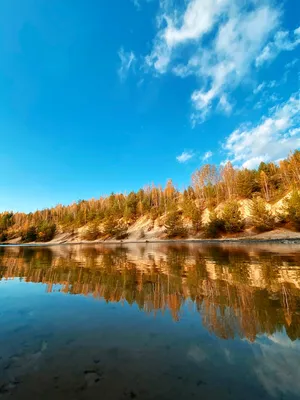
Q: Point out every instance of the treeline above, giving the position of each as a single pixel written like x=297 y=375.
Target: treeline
x=211 y=185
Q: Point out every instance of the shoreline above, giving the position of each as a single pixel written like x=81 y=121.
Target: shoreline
x=285 y=241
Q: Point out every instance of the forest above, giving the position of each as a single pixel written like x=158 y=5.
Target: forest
x=180 y=212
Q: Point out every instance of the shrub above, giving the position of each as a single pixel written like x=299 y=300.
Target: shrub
x=142 y=234
x=262 y=218
x=194 y=213
x=174 y=225
x=121 y=231
x=92 y=233
x=232 y=217
x=215 y=227
x=114 y=228
x=3 y=237
x=46 y=231
x=109 y=226
x=293 y=209
x=29 y=235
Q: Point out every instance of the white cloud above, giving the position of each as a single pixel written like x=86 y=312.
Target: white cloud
x=278 y=357
x=207 y=155
x=265 y=85
x=177 y=27
x=127 y=60
x=281 y=42
x=224 y=105
x=272 y=139
x=184 y=157
x=233 y=52
x=222 y=38
x=291 y=64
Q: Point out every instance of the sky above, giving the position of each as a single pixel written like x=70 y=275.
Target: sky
x=109 y=96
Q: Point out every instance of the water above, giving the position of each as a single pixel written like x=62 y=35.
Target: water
x=151 y=321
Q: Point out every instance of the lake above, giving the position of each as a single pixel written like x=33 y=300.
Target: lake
x=150 y=321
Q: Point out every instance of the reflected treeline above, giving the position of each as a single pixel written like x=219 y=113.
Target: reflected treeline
x=237 y=290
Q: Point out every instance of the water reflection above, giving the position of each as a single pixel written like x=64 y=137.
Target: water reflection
x=238 y=291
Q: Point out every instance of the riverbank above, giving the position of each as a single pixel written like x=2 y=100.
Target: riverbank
x=280 y=236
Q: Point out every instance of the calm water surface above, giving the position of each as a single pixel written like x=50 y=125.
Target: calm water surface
x=151 y=321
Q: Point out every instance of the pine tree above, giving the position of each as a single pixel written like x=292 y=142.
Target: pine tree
x=293 y=209
x=215 y=227
x=92 y=233
x=232 y=217
x=262 y=218
x=174 y=225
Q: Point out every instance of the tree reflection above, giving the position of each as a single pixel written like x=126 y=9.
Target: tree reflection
x=237 y=291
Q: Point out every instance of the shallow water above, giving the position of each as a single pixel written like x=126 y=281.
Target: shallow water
x=151 y=321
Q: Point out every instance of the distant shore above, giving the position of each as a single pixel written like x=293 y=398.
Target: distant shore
x=243 y=240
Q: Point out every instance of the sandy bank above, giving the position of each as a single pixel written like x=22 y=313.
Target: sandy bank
x=283 y=236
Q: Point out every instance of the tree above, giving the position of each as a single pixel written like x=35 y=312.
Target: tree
x=228 y=174
x=246 y=182
x=112 y=227
x=45 y=231
x=261 y=217
x=6 y=221
x=174 y=225
x=215 y=227
x=29 y=235
x=121 y=231
x=193 y=212
x=204 y=181
x=92 y=233
x=293 y=209
x=3 y=237
x=109 y=226
x=232 y=217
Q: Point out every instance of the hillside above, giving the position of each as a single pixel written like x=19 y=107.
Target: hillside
x=222 y=202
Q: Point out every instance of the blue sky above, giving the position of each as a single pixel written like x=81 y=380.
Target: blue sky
x=112 y=95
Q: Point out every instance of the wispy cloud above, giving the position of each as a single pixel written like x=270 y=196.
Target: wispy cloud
x=185 y=156
x=234 y=37
x=127 y=60
x=206 y=156
x=281 y=42
x=272 y=139
x=291 y=64
x=265 y=85
x=224 y=105
x=137 y=4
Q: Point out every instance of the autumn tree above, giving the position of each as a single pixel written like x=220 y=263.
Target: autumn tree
x=204 y=183
x=228 y=175
x=45 y=231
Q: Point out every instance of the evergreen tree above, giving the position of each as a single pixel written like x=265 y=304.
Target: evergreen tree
x=92 y=233
x=194 y=213
x=232 y=217
x=293 y=209
x=174 y=225
x=29 y=235
x=45 y=231
x=215 y=227
x=261 y=217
